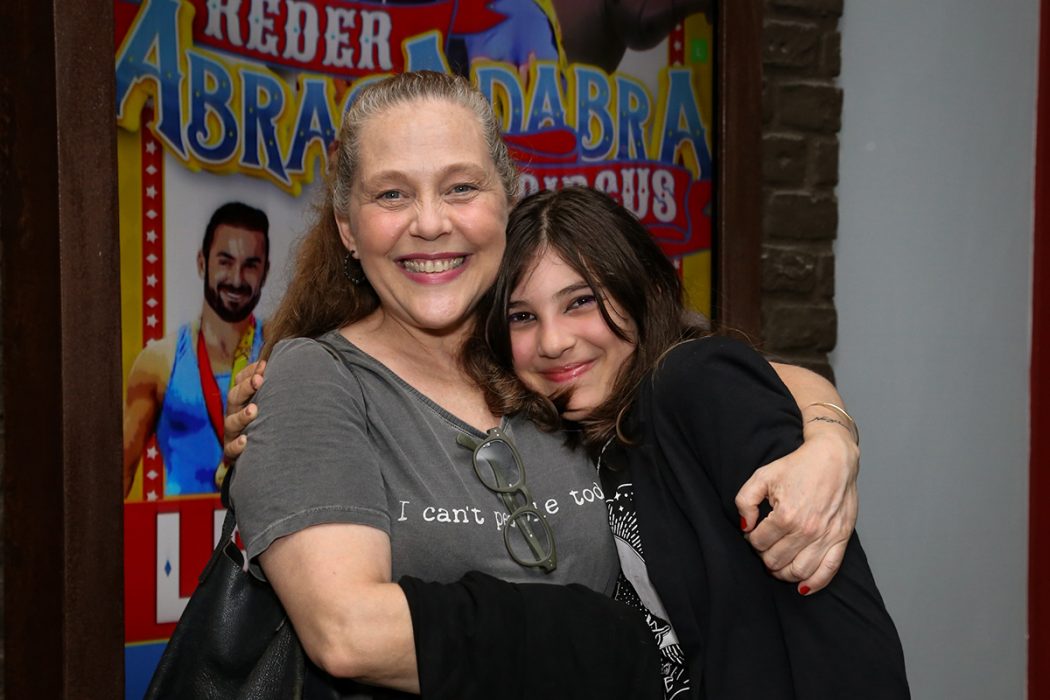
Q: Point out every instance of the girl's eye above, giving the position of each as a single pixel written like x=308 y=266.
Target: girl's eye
x=581 y=301
x=520 y=317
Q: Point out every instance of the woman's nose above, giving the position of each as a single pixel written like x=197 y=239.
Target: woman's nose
x=431 y=218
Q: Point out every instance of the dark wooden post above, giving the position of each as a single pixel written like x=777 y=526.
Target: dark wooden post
x=62 y=530
x=738 y=167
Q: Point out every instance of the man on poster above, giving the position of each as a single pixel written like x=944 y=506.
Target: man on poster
x=177 y=386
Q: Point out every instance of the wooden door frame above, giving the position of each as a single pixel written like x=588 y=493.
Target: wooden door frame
x=62 y=529
x=737 y=250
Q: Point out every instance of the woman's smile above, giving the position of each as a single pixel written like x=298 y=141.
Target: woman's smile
x=432 y=264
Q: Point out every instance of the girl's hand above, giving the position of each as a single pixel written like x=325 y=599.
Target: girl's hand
x=239 y=412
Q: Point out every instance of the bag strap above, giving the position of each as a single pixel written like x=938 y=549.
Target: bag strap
x=229 y=524
x=224 y=490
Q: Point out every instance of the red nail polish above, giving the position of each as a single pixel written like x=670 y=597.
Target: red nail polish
x=803 y=590
x=743 y=523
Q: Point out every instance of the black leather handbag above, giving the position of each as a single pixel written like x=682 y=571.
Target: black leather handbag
x=233 y=640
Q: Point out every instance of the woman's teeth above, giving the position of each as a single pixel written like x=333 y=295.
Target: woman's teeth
x=432 y=265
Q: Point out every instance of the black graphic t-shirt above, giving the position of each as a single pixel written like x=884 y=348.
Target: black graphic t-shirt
x=633 y=586
x=709 y=415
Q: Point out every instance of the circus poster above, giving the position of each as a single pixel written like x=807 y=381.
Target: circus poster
x=225 y=109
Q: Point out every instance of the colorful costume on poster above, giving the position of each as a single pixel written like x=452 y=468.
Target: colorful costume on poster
x=527 y=33
x=185 y=435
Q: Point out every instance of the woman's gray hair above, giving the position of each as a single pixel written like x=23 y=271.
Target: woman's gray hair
x=377 y=98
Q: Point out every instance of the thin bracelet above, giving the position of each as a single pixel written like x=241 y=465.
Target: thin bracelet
x=841 y=411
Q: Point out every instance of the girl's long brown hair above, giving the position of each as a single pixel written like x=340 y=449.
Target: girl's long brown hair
x=619 y=260
x=320 y=297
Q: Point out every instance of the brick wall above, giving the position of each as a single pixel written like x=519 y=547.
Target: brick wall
x=801 y=119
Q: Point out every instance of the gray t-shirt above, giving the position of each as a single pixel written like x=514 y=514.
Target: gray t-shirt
x=350 y=442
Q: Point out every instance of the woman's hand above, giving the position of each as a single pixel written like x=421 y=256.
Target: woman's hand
x=239 y=412
x=813 y=491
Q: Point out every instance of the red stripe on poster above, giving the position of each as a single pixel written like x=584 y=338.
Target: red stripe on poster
x=676 y=46
x=152 y=206
x=152 y=235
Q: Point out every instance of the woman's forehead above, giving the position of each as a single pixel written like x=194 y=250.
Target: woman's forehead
x=420 y=131
x=416 y=108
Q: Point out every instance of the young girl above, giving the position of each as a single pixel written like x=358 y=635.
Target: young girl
x=586 y=325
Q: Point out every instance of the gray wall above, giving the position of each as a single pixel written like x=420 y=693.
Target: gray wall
x=934 y=299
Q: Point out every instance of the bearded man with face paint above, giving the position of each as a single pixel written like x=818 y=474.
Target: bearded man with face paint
x=177 y=386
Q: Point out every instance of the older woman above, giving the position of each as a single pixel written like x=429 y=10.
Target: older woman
x=354 y=475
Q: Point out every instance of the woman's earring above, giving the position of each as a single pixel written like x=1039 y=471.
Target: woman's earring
x=353 y=270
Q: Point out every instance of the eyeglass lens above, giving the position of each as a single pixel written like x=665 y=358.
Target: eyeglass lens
x=534 y=544
x=497 y=466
